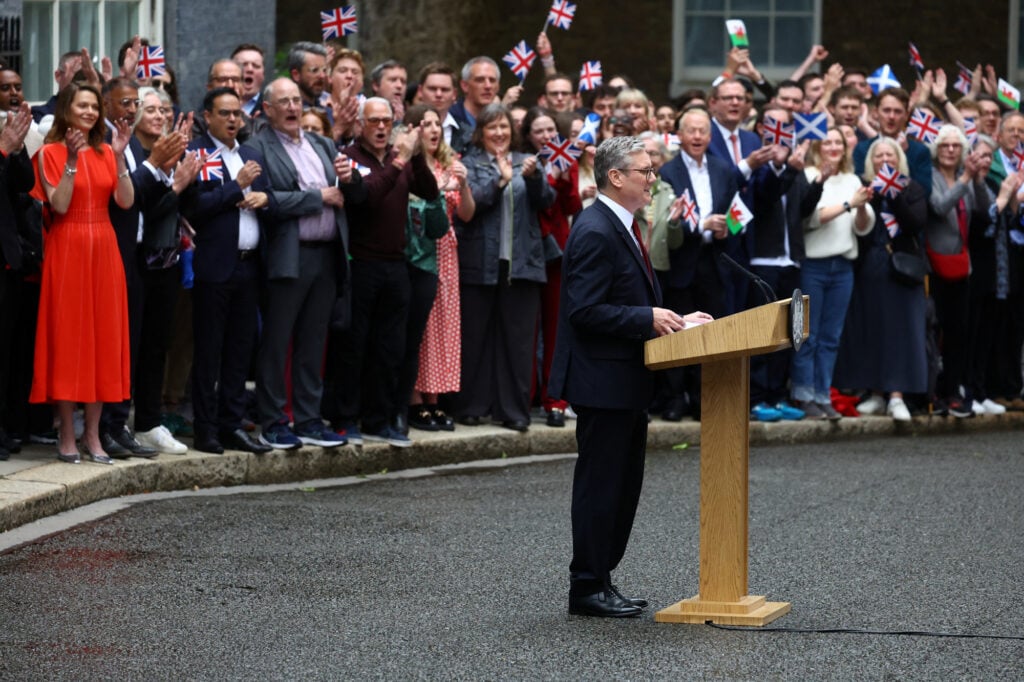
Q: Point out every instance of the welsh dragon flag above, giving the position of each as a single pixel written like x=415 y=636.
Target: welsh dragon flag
x=738 y=216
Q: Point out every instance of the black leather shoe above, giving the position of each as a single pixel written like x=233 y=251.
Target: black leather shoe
x=519 y=425
x=207 y=443
x=126 y=439
x=605 y=604
x=9 y=444
x=443 y=420
x=674 y=411
x=239 y=439
x=635 y=601
x=112 y=447
x=421 y=418
x=556 y=417
x=471 y=421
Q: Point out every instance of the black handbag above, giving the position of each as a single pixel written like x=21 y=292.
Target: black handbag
x=907 y=268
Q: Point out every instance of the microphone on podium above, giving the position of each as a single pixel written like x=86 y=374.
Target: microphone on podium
x=766 y=291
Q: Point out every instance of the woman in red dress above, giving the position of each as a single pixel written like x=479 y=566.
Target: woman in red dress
x=82 y=333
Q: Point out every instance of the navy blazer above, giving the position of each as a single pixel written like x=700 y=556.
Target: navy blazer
x=16 y=178
x=211 y=208
x=720 y=148
x=605 y=316
x=683 y=261
x=766 y=236
x=148 y=191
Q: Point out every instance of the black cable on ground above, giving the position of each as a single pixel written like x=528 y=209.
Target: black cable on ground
x=857 y=631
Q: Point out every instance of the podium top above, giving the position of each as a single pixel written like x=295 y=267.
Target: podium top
x=752 y=332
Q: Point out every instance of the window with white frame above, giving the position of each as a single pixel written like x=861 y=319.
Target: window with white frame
x=52 y=27
x=781 y=33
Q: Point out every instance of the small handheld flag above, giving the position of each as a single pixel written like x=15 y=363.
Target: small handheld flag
x=151 y=62
x=519 y=59
x=339 y=22
x=589 y=131
x=924 y=125
x=560 y=152
x=738 y=216
x=211 y=168
x=882 y=78
x=777 y=132
x=970 y=130
x=889 y=181
x=811 y=126
x=590 y=75
x=359 y=168
x=671 y=140
x=737 y=32
x=690 y=214
x=963 y=79
x=891 y=226
x=915 y=58
x=1018 y=155
x=1008 y=95
x=561 y=14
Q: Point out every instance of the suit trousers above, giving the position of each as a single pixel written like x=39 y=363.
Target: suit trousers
x=160 y=290
x=769 y=373
x=115 y=415
x=605 y=491
x=224 y=319
x=297 y=311
x=423 y=291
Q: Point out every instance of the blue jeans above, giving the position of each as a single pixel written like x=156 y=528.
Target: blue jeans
x=829 y=283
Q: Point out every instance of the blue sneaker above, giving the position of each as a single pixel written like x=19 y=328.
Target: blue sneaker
x=762 y=412
x=315 y=433
x=280 y=437
x=351 y=433
x=789 y=412
x=390 y=436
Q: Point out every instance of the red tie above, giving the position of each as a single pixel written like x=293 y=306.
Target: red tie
x=643 y=251
x=735 y=149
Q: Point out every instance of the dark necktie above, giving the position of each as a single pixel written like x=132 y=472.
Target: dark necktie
x=643 y=250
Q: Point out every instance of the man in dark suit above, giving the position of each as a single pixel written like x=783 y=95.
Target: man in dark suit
x=229 y=214
x=609 y=307
x=306 y=258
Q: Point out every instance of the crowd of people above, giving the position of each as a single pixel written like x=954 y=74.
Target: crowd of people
x=386 y=257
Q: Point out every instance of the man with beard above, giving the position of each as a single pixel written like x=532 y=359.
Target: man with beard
x=307 y=66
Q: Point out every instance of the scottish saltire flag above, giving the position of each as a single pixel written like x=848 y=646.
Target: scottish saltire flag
x=520 y=58
x=811 y=126
x=560 y=152
x=738 y=216
x=889 y=182
x=737 y=32
x=891 y=226
x=970 y=130
x=924 y=125
x=359 y=168
x=690 y=214
x=777 y=132
x=590 y=130
x=212 y=168
x=1008 y=95
x=671 y=140
x=882 y=78
x=151 y=62
x=339 y=22
x=915 y=58
x=561 y=14
x=590 y=76
x=963 y=79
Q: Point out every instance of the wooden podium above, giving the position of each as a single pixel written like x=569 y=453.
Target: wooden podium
x=724 y=348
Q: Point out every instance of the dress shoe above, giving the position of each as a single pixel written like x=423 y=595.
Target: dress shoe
x=520 y=425
x=605 y=604
x=556 y=417
x=112 y=447
x=401 y=423
x=69 y=457
x=470 y=420
x=127 y=440
x=11 y=445
x=639 y=602
x=442 y=419
x=98 y=458
x=421 y=418
x=207 y=443
x=674 y=411
x=239 y=439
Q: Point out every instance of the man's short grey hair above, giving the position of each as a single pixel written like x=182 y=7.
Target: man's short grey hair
x=659 y=142
x=373 y=100
x=468 y=66
x=378 y=71
x=614 y=153
x=986 y=140
x=297 y=55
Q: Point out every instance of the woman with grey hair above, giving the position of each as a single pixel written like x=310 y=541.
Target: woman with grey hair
x=958 y=203
x=883 y=343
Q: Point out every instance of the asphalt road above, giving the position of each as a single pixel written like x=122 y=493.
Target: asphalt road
x=464 y=576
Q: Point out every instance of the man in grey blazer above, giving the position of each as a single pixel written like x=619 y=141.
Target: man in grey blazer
x=305 y=261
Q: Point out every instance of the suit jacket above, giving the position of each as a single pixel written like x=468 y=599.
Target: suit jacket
x=720 y=148
x=683 y=261
x=766 y=236
x=281 y=254
x=211 y=208
x=605 y=316
x=16 y=178
x=148 y=191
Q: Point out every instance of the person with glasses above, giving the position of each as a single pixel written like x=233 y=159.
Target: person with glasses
x=226 y=73
x=230 y=210
x=558 y=95
x=307 y=66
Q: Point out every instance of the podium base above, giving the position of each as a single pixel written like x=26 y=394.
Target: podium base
x=749 y=610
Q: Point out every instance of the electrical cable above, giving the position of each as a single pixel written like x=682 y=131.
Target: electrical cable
x=859 y=631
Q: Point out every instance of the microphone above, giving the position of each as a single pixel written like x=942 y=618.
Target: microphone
x=766 y=291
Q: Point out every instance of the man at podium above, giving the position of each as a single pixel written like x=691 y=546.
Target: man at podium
x=610 y=305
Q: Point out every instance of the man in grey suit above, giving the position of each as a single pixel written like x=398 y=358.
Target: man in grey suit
x=305 y=259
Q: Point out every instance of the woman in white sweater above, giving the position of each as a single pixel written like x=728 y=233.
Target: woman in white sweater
x=826 y=275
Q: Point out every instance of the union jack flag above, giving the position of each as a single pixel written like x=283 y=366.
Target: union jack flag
x=970 y=130
x=212 y=168
x=690 y=214
x=924 y=125
x=671 y=140
x=151 y=62
x=560 y=152
x=777 y=132
x=915 y=57
x=359 y=168
x=339 y=22
x=889 y=181
x=1017 y=156
x=561 y=14
x=520 y=58
x=590 y=75
x=963 y=79
x=891 y=226
x=589 y=131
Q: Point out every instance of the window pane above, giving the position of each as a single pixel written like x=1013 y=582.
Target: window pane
x=792 y=40
x=122 y=22
x=795 y=6
x=79 y=27
x=749 y=7
x=37 y=44
x=705 y=6
x=705 y=42
x=759 y=35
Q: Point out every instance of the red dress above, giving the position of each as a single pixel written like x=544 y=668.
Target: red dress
x=82 y=351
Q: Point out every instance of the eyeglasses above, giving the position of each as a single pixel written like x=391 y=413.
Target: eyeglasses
x=374 y=121
x=616 y=120
x=128 y=102
x=285 y=101
x=229 y=113
x=648 y=172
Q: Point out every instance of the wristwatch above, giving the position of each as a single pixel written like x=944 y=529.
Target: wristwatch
x=846 y=207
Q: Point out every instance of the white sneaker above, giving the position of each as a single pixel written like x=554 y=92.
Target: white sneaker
x=898 y=410
x=978 y=408
x=873 y=404
x=569 y=414
x=992 y=407
x=161 y=440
